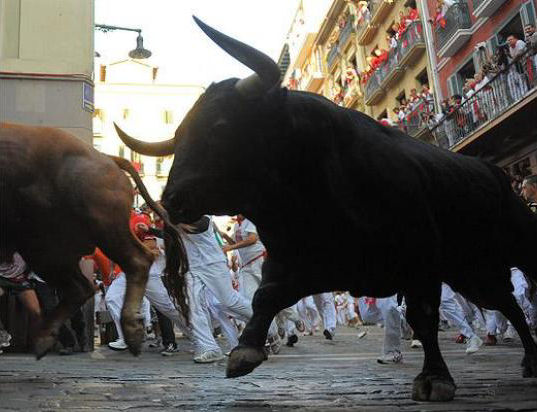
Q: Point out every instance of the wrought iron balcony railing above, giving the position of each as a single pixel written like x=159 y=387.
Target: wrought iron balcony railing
x=493 y=98
x=457 y=18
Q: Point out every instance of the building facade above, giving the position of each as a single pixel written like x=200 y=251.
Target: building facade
x=493 y=94
x=129 y=93
x=379 y=55
x=318 y=67
x=46 y=64
x=396 y=70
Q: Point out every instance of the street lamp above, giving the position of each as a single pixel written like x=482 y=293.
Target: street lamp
x=139 y=52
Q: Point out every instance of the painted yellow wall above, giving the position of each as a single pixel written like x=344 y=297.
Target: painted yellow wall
x=408 y=80
x=52 y=36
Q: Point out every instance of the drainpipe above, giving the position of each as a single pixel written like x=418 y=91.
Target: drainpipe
x=423 y=9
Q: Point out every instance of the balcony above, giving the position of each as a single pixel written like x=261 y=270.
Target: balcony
x=346 y=33
x=373 y=92
x=332 y=56
x=409 y=48
x=412 y=44
x=492 y=105
x=486 y=8
x=456 y=32
x=366 y=31
x=314 y=81
x=351 y=93
x=380 y=10
x=415 y=123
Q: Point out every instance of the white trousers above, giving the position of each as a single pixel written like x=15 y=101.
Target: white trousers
x=214 y=278
x=391 y=317
x=308 y=312
x=452 y=311
x=249 y=280
x=287 y=319
x=155 y=294
x=218 y=313
x=325 y=306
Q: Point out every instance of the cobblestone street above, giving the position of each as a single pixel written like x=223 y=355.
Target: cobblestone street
x=316 y=375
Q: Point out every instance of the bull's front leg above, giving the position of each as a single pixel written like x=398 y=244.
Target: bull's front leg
x=273 y=295
x=434 y=383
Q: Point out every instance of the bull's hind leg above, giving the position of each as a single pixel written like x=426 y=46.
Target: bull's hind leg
x=434 y=383
x=498 y=296
x=274 y=294
x=75 y=289
x=135 y=260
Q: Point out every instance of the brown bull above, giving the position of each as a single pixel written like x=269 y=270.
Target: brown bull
x=59 y=199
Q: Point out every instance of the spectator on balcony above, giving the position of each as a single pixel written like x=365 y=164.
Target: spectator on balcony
x=529 y=191
x=395 y=29
x=382 y=55
x=427 y=97
x=404 y=21
x=531 y=44
x=392 y=42
x=517 y=47
x=414 y=98
x=396 y=112
x=412 y=14
x=516 y=76
x=363 y=15
x=442 y=6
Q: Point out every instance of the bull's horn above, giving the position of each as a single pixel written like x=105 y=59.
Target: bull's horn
x=267 y=73
x=163 y=148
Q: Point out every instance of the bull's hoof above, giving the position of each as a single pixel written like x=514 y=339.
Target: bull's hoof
x=434 y=388
x=134 y=334
x=529 y=367
x=42 y=345
x=243 y=360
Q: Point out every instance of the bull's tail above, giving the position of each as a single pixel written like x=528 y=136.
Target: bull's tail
x=176 y=258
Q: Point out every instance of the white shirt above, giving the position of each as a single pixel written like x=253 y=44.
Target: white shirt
x=242 y=231
x=520 y=47
x=14 y=270
x=202 y=248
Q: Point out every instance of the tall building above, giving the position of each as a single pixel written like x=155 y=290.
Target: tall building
x=341 y=61
x=495 y=116
x=314 y=65
x=46 y=64
x=396 y=69
x=129 y=93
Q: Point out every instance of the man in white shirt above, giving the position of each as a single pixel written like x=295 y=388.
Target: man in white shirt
x=516 y=46
x=252 y=254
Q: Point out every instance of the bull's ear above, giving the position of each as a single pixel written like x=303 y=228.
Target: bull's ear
x=267 y=73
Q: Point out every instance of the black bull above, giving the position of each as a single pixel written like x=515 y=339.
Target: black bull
x=343 y=203
x=59 y=199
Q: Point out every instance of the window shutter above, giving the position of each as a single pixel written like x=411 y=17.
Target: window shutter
x=527 y=13
x=452 y=85
x=492 y=44
x=475 y=58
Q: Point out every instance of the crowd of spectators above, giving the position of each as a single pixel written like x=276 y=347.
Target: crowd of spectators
x=502 y=79
x=380 y=56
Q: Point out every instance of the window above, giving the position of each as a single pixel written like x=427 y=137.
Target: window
x=422 y=77
x=383 y=115
x=401 y=98
x=168 y=116
x=99 y=114
x=159 y=170
x=514 y=26
x=456 y=82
